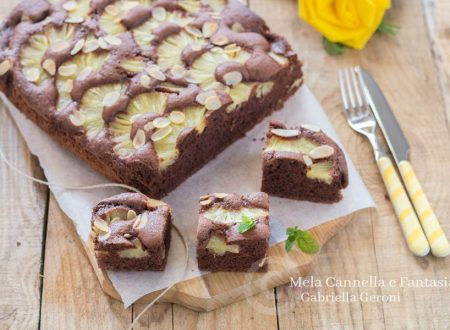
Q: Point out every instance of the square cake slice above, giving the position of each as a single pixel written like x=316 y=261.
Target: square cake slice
x=223 y=244
x=303 y=163
x=131 y=232
x=146 y=92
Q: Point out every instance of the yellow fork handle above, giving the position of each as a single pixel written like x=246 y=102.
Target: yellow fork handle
x=415 y=237
x=430 y=224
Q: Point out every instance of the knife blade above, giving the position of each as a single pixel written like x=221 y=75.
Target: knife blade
x=385 y=117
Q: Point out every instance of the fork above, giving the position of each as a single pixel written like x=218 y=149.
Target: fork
x=361 y=119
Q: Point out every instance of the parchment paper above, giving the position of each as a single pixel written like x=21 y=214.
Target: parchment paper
x=237 y=169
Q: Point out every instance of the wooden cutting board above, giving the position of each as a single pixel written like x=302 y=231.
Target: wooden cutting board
x=215 y=290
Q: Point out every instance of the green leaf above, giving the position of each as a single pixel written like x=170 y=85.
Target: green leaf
x=292 y=231
x=289 y=244
x=388 y=28
x=333 y=48
x=307 y=242
x=246 y=224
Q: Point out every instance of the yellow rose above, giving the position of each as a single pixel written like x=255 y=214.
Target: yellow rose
x=349 y=22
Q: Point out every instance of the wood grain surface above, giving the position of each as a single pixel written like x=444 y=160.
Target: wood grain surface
x=414 y=71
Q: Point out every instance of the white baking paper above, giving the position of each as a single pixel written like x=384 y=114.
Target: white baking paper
x=237 y=169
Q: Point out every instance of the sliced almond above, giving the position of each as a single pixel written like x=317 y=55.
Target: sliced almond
x=196 y=47
x=216 y=85
x=115 y=220
x=85 y=73
x=60 y=47
x=161 y=133
x=220 y=40
x=149 y=126
x=159 y=13
x=313 y=128
x=131 y=214
x=157 y=74
x=5 y=66
x=202 y=198
x=49 y=65
x=205 y=202
x=104 y=236
x=308 y=161
x=77 y=118
x=90 y=46
x=220 y=195
x=194 y=31
x=145 y=81
x=101 y=225
x=321 y=152
x=203 y=96
x=137 y=243
x=286 y=133
x=178 y=70
x=70 y=5
x=111 y=98
x=237 y=27
x=78 y=47
x=213 y=103
x=177 y=117
x=68 y=70
x=281 y=60
x=74 y=20
x=161 y=122
x=32 y=75
x=209 y=28
x=232 y=78
x=139 y=139
x=112 y=40
x=141 y=221
x=127 y=235
x=103 y=44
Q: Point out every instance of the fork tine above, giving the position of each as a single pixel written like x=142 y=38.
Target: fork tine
x=361 y=83
x=357 y=88
x=349 y=89
x=344 y=96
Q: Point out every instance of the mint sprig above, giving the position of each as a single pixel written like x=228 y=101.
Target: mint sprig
x=333 y=48
x=304 y=239
x=388 y=28
x=246 y=224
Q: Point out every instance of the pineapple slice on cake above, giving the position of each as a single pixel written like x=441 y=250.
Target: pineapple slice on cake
x=143 y=33
x=90 y=115
x=171 y=49
x=120 y=129
x=59 y=39
x=79 y=67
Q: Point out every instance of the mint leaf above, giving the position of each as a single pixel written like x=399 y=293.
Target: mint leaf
x=388 y=28
x=333 y=48
x=289 y=244
x=307 y=243
x=246 y=224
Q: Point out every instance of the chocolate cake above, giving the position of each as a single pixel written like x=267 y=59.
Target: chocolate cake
x=144 y=91
x=131 y=232
x=303 y=163
x=222 y=244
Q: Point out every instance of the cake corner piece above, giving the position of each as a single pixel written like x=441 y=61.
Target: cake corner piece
x=233 y=232
x=303 y=163
x=131 y=232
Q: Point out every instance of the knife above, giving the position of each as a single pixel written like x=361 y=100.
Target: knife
x=398 y=144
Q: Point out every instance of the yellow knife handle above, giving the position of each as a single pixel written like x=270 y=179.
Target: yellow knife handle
x=415 y=237
x=440 y=246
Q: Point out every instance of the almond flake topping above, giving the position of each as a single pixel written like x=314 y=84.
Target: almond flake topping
x=209 y=28
x=232 y=78
x=149 y=126
x=78 y=47
x=32 y=75
x=74 y=20
x=5 y=66
x=90 y=46
x=220 y=40
x=68 y=70
x=237 y=27
x=308 y=161
x=141 y=221
x=313 y=128
x=156 y=73
x=161 y=122
x=111 y=98
x=60 y=46
x=203 y=96
x=77 y=118
x=194 y=31
x=202 y=198
x=213 y=103
x=159 y=13
x=145 y=81
x=286 y=133
x=101 y=225
x=112 y=40
x=131 y=214
x=161 y=133
x=139 y=139
x=281 y=60
x=177 y=117
x=205 y=202
x=50 y=66
x=220 y=195
x=196 y=47
x=104 y=236
x=102 y=43
x=321 y=152
x=70 y=5
x=216 y=85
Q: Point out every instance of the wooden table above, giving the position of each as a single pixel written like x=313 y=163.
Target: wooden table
x=46 y=279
